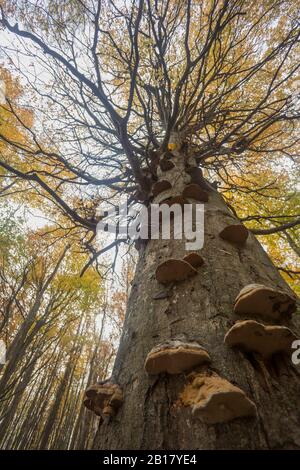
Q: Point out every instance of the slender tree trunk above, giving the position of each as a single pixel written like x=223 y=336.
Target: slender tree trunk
x=26 y=419
x=85 y=421
x=53 y=414
x=78 y=423
x=63 y=425
x=79 y=435
x=200 y=309
x=37 y=413
x=5 y=429
x=19 y=344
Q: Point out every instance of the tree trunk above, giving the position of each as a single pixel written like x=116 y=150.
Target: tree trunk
x=20 y=342
x=6 y=422
x=82 y=426
x=200 y=309
x=54 y=410
x=37 y=411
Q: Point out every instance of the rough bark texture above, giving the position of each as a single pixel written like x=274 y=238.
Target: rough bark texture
x=200 y=309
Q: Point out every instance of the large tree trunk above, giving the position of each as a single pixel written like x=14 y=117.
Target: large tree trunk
x=200 y=309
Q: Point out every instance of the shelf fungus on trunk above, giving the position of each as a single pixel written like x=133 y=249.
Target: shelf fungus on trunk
x=215 y=400
x=194 y=259
x=174 y=270
x=251 y=336
x=194 y=191
x=160 y=187
x=88 y=404
x=196 y=174
x=235 y=233
x=257 y=299
x=104 y=398
x=166 y=164
x=175 y=200
x=175 y=357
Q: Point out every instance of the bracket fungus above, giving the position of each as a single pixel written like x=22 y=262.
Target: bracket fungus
x=215 y=400
x=194 y=259
x=166 y=164
x=104 y=398
x=249 y=335
x=161 y=186
x=163 y=197
x=88 y=403
x=257 y=299
x=174 y=270
x=194 y=191
x=195 y=174
x=236 y=233
x=175 y=357
x=175 y=200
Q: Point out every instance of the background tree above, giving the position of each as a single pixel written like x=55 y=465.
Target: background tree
x=56 y=331
x=211 y=86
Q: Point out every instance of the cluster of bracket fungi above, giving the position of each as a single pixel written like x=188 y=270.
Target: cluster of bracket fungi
x=272 y=305
x=160 y=186
x=211 y=398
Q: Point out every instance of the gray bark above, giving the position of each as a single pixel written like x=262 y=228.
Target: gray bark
x=201 y=309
